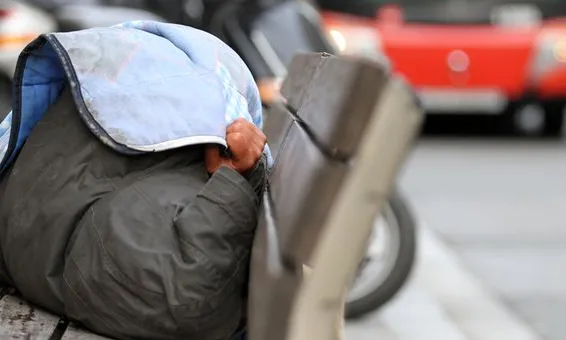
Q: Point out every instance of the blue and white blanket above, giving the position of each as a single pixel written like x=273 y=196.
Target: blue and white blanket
x=139 y=86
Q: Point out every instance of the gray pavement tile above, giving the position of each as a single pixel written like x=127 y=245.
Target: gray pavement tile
x=547 y=315
x=502 y=222
x=502 y=207
x=443 y=301
x=518 y=272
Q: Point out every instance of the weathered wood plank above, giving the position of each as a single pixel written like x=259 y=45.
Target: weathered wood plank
x=276 y=127
x=388 y=139
x=342 y=109
x=19 y=320
x=299 y=76
x=302 y=185
x=273 y=286
x=75 y=332
x=336 y=99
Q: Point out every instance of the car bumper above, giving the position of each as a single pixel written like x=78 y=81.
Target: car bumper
x=463 y=101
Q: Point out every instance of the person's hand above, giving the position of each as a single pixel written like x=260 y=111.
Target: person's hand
x=245 y=142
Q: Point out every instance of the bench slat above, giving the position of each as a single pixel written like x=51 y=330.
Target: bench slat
x=272 y=288
x=20 y=320
x=336 y=99
x=300 y=74
x=74 y=332
x=324 y=138
x=386 y=143
x=276 y=127
x=302 y=185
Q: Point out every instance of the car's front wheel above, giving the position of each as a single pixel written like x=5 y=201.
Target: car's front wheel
x=534 y=119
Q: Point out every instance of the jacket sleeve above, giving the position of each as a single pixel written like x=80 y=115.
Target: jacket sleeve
x=221 y=221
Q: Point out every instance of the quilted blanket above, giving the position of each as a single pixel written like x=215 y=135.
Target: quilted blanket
x=139 y=86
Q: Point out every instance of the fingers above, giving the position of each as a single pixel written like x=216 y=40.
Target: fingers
x=242 y=144
x=243 y=126
x=213 y=159
x=212 y=153
x=238 y=125
x=244 y=134
x=246 y=142
x=245 y=151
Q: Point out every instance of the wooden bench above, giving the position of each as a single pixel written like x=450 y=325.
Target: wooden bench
x=338 y=142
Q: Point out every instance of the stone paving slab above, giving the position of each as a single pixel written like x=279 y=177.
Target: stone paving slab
x=501 y=206
x=443 y=301
x=544 y=313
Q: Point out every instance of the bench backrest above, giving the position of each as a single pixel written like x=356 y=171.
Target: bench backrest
x=334 y=107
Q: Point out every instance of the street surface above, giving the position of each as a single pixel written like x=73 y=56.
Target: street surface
x=492 y=263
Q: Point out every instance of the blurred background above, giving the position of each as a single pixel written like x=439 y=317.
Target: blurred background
x=474 y=246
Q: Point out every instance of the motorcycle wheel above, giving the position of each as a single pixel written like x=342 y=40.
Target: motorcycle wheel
x=389 y=260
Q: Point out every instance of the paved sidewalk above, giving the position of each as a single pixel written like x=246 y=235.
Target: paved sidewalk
x=443 y=301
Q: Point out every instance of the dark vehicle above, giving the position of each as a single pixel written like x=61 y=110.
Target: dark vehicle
x=73 y=15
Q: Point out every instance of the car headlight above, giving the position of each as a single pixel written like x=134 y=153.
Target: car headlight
x=365 y=42
x=550 y=53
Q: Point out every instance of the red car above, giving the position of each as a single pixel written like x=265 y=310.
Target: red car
x=467 y=56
